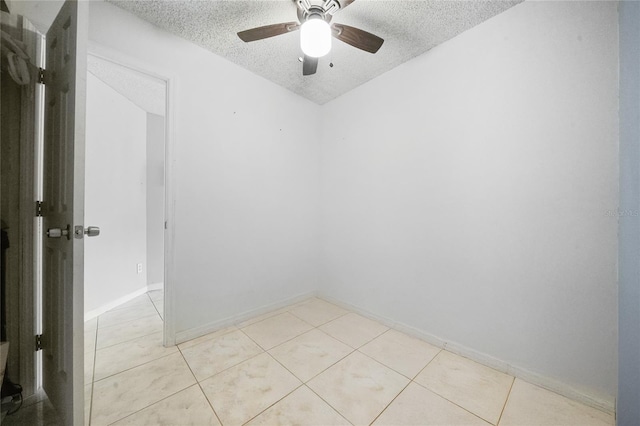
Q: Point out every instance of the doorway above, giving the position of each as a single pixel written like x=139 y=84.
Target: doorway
x=125 y=197
x=124 y=185
x=64 y=338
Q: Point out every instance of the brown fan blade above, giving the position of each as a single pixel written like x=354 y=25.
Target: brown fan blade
x=309 y=65
x=357 y=37
x=267 y=31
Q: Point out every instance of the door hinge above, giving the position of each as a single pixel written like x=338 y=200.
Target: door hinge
x=38 y=208
x=41 y=75
x=38 y=342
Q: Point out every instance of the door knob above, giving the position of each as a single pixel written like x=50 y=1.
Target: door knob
x=92 y=231
x=80 y=231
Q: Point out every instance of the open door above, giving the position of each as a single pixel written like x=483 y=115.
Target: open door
x=63 y=212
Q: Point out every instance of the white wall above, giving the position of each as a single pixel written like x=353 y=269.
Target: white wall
x=246 y=175
x=155 y=198
x=115 y=198
x=467 y=194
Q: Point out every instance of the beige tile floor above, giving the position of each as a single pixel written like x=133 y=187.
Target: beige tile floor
x=312 y=363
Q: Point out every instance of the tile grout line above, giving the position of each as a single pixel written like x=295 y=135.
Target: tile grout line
x=119 y=324
x=266 y=315
x=392 y=369
x=288 y=340
x=131 y=368
x=327 y=402
x=423 y=368
x=200 y=386
x=391 y=402
x=129 y=340
x=316 y=375
x=274 y=358
x=359 y=346
x=438 y=394
x=314 y=328
x=452 y=402
x=162 y=399
x=242 y=324
x=121 y=307
x=506 y=401
x=284 y=366
x=209 y=402
x=289 y=309
x=385 y=365
x=228 y=368
x=118 y=309
x=135 y=366
x=227 y=330
x=305 y=383
x=95 y=353
x=317 y=326
x=93 y=381
x=295 y=389
x=153 y=403
x=347 y=312
x=156 y=308
x=93 y=372
x=134 y=307
x=263 y=352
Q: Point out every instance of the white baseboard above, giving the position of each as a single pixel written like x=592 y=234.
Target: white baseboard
x=121 y=300
x=155 y=286
x=192 y=333
x=601 y=402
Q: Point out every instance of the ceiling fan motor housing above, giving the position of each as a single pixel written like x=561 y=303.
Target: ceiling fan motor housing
x=328 y=7
x=314 y=12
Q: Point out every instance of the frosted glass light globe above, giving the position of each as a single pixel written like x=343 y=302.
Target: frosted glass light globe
x=315 y=37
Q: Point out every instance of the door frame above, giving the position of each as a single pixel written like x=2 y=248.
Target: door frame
x=102 y=52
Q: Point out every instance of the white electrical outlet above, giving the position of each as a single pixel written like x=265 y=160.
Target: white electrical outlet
x=139 y=267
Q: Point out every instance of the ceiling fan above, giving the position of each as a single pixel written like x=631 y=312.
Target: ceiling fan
x=316 y=31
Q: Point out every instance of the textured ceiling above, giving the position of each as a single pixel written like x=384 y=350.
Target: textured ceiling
x=409 y=29
x=145 y=91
